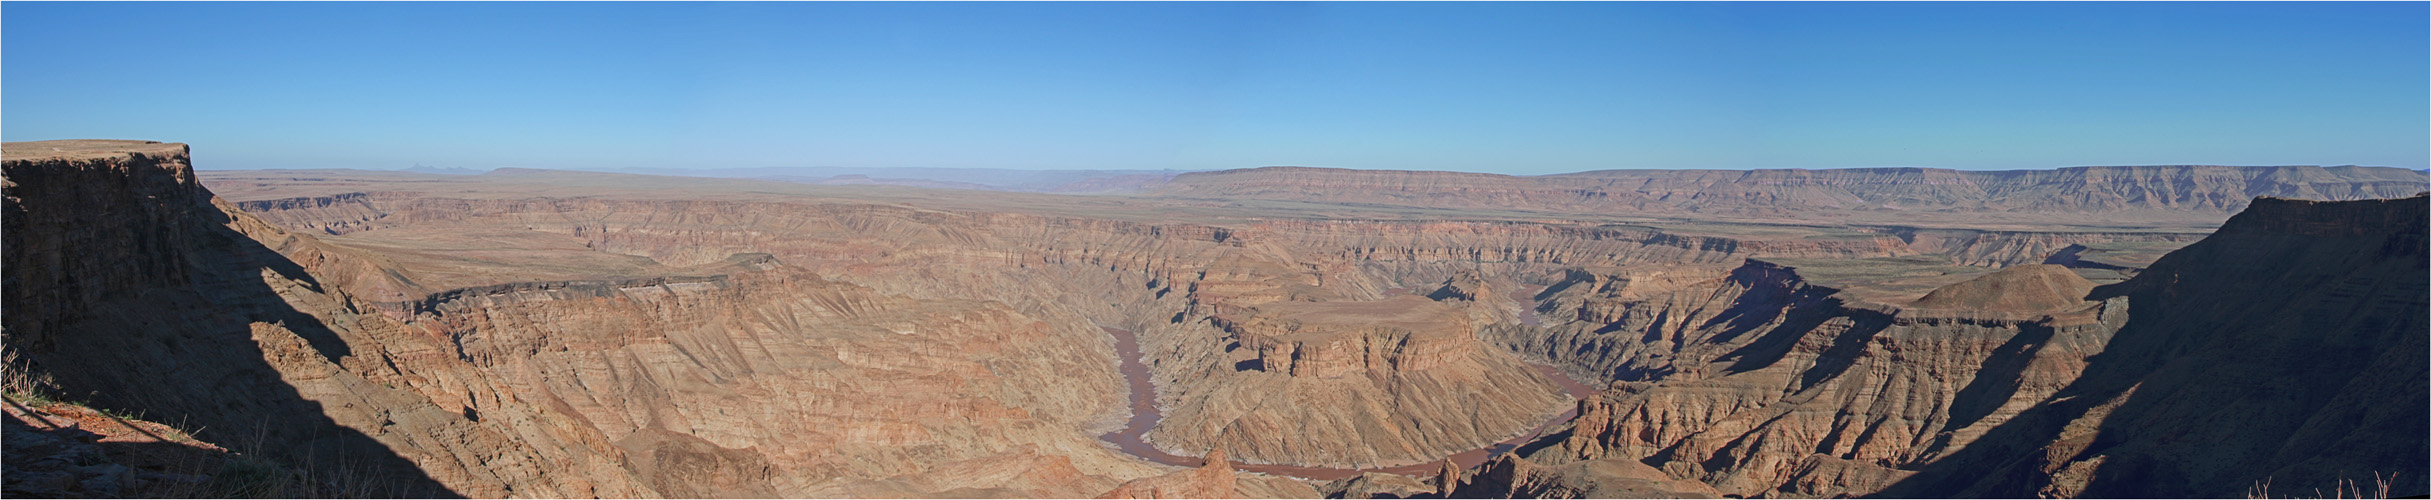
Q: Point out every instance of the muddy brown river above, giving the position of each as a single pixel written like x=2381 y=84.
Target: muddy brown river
x=1144 y=416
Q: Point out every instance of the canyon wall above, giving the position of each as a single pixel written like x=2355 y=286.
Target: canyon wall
x=1175 y=283
x=538 y=341
x=232 y=337
x=2285 y=349
x=1357 y=384
x=752 y=379
x=1170 y=282
x=770 y=381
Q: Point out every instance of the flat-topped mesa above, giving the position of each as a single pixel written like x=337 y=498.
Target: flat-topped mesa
x=1233 y=284
x=94 y=149
x=2284 y=216
x=478 y=296
x=2171 y=188
x=1339 y=339
x=1397 y=187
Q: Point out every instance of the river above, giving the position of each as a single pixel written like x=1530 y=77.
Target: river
x=1145 y=415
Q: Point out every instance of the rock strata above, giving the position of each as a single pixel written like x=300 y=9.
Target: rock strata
x=753 y=379
x=534 y=333
x=2032 y=381
x=2285 y=349
x=1360 y=384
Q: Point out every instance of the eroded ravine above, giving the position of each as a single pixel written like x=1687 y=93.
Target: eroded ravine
x=1145 y=416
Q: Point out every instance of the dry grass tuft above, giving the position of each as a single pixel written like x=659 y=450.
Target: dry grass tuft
x=2346 y=488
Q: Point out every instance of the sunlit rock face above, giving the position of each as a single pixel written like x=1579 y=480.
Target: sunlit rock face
x=1360 y=384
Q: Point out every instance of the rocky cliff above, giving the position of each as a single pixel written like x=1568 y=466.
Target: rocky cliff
x=2286 y=349
x=1164 y=280
x=1357 y=384
x=233 y=338
x=751 y=379
x=89 y=220
x=774 y=382
x=548 y=334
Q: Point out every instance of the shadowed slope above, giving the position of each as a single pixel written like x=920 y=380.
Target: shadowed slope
x=129 y=284
x=2287 y=348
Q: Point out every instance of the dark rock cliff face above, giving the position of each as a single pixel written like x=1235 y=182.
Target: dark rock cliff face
x=131 y=216
x=2287 y=349
x=131 y=285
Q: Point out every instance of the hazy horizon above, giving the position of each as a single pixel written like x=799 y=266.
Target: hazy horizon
x=658 y=170
x=1509 y=88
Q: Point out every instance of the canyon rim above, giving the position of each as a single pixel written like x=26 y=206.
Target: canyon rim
x=1256 y=333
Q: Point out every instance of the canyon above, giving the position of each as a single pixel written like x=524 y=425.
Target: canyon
x=1261 y=333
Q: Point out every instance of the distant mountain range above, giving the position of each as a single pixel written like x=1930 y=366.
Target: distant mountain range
x=2202 y=188
x=992 y=179
x=2215 y=191
x=2199 y=188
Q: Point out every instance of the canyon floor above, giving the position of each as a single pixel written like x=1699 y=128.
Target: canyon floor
x=1274 y=332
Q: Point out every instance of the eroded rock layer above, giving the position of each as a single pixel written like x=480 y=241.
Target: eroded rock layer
x=2285 y=349
x=750 y=379
x=1358 y=384
x=532 y=333
x=1167 y=281
x=773 y=381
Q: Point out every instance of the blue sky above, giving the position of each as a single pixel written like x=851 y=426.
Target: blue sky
x=1523 y=88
